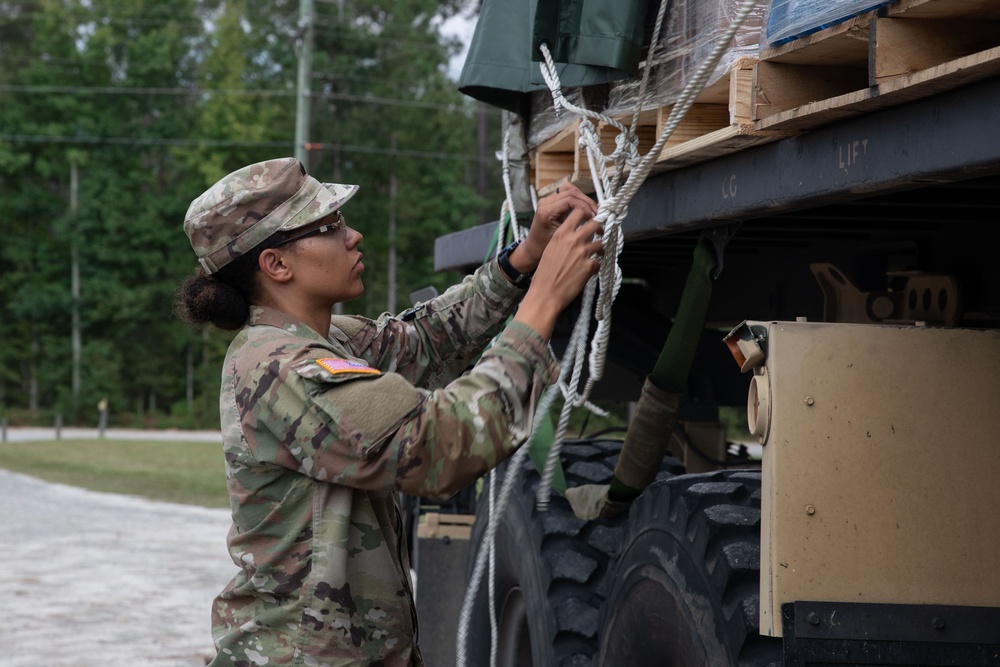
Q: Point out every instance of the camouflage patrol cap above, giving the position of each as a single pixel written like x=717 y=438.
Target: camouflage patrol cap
x=249 y=205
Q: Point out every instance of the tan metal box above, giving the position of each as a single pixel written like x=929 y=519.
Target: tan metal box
x=881 y=465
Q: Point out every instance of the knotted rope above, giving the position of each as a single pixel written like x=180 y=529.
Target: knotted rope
x=613 y=199
x=612 y=208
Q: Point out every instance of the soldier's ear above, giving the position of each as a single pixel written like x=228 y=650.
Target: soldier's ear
x=273 y=265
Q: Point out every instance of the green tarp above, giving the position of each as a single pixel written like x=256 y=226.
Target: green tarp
x=594 y=41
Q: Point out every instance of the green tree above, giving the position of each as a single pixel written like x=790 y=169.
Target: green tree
x=153 y=102
x=380 y=75
x=73 y=100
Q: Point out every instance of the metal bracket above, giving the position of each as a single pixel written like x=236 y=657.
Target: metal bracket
x=850 y=633
x=719 y=237
x=925 y=297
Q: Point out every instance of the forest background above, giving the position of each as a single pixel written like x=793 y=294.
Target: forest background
x=115 y=114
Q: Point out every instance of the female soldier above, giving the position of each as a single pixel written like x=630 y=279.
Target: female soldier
x=325 y=418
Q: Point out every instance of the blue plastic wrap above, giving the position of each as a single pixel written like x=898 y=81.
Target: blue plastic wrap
x=788 y=20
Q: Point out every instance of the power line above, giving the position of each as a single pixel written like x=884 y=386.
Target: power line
x=123 y=90
x=337 y=75
x=237 y=92
x=227 y=143
x=396 y=34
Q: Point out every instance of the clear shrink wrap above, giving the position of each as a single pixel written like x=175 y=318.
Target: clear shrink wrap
x=547 y=121
x=691 y=30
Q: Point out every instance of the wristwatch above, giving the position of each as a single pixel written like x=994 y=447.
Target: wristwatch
x=519 y=279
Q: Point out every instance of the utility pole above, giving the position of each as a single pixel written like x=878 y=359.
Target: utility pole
x=74 y=186
x=189 y=378
x=482 y=155
x=338 y=308
x=393 y=188
x=303 y=102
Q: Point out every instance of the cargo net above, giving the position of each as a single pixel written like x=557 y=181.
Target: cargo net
x=614 y=190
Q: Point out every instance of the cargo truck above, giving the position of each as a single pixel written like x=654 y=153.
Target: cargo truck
x=856 y=323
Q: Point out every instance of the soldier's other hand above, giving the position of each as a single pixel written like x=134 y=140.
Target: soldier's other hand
x=571 y=258
x=550 y=214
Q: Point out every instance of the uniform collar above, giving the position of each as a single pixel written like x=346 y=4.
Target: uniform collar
x=271 y=317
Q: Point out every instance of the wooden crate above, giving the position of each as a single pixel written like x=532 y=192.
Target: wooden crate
x=719 y=122
x=554 y=160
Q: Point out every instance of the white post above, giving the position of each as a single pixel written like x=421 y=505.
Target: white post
x=302 y=105
x=74 y=183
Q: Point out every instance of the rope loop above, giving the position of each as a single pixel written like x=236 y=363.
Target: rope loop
x=613 y=198
x=627 y=145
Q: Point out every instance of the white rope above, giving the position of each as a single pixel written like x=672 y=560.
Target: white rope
x=494 y=627
x=487 y=557
x=612 y=209
x=507 y=211
x=465 y=617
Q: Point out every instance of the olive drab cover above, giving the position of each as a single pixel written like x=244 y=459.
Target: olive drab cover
x=592 y=42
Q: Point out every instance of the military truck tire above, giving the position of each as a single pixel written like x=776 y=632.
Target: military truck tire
x=684 y=589
x=550 y=568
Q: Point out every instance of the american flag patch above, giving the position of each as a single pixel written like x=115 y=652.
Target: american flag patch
x=337 y=366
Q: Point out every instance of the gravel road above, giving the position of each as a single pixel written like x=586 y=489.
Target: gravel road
x=93 y=579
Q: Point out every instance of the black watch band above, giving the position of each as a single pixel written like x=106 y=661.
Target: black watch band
x=519 y=279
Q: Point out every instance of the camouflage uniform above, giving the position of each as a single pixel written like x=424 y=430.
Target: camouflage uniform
x=319 y=436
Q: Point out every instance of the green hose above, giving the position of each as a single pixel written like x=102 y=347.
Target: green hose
x=656 y=413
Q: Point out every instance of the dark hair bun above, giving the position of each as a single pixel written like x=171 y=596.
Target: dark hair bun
x=202 y=298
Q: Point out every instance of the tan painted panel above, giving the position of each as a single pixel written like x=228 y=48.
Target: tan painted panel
x=881 y=466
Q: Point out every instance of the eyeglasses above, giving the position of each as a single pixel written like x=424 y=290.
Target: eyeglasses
x=338 y=222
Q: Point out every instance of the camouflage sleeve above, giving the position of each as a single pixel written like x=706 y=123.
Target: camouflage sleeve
x=472 y=425
x=300 y=408
x=370 y=430
x=432 y=343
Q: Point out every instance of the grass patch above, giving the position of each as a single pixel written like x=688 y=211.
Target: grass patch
x=192 y=473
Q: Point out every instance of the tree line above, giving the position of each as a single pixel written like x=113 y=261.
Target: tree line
x=115 y=114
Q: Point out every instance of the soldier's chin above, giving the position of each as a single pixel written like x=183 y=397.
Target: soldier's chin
x=360 y=291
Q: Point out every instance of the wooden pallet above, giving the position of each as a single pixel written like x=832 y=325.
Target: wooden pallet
x=908 y=50
x=554 y=161
x=718 y=123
